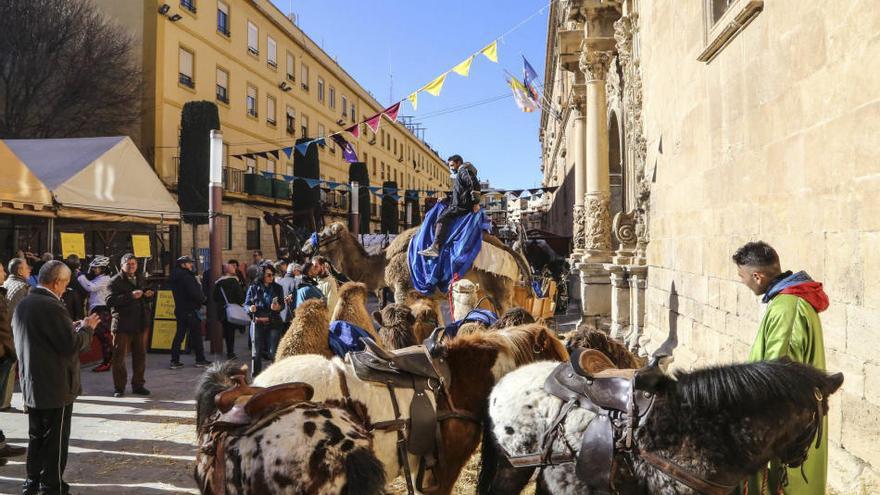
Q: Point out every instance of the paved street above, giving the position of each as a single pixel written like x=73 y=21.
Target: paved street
x=130 y=445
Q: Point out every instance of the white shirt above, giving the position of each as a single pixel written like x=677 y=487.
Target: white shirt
x=98 y=289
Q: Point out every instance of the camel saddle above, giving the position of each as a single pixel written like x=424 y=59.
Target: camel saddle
x=415 y=369
x=589 y=380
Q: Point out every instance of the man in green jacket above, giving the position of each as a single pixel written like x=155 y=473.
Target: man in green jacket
x=790 y=328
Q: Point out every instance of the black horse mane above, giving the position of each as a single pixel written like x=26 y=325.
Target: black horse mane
x=749 y=386
x=214 y=380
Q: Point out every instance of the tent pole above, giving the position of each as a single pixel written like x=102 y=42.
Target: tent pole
x=52 y=236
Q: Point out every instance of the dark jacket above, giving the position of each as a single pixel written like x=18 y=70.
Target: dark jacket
x=48 y=348
x=7 y=348
x=130 y=315
x=74 y=299
x=188 y=295
x=261 y=296
x=232 y=290
x=465 y=183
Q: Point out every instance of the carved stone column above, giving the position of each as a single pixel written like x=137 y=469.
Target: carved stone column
x=597 y=199
x=620 y=301
x=579 y=141
x=638 y=282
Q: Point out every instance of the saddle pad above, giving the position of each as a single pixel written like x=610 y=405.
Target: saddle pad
x=495 y=260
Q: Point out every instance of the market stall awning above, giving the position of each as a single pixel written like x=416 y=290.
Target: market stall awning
x=104 y=178
x=21 y=192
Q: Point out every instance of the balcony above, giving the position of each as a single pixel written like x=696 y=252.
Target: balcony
x=186 y=80
x=233 y=180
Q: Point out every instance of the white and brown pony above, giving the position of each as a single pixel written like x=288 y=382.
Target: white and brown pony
x=476 y=363
x=306 y=447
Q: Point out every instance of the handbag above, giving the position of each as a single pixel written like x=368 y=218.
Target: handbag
x=235 y=313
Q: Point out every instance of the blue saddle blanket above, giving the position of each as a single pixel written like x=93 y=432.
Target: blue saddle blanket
x=457 y=254
x=483 y=316
x=345 y=337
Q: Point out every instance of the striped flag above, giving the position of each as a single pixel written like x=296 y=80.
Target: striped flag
x=521 y=95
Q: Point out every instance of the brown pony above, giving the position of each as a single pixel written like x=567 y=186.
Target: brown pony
x=622 y=357
x=425 y=313
x=395 y=326
x=476 y=363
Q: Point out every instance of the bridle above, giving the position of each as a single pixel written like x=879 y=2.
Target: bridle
x=791 y=458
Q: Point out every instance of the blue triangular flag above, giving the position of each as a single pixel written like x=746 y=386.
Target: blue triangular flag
x=303 y=147
x=287 y=151
x=288 y=178
x=268 y=174
x=313 y=183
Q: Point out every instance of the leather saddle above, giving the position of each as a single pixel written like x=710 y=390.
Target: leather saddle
x=591 y=381
x=412 y=368
x=243 y=404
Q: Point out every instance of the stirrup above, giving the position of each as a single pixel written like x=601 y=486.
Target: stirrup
x=430 y=252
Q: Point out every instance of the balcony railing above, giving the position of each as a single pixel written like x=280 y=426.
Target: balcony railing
x=233 y=180
x=186 y=80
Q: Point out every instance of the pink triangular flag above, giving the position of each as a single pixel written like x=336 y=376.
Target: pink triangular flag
x=373 y=122
x=354 y=130
x=391 y=112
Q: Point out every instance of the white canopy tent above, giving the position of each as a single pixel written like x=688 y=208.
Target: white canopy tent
x=104 y=178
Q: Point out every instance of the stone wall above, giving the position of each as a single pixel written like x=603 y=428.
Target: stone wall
x=776 y=139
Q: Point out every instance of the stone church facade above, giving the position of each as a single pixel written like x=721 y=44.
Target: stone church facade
x=682 y=129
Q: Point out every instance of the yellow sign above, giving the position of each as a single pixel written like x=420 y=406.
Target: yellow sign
x=73 y=243
x=141 y=245
x=164 y=305
x=163 y=335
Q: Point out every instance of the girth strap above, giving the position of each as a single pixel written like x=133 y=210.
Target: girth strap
x=684 y=476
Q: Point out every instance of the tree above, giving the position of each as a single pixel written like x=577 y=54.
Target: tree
x=197 y=120
x=65 y=71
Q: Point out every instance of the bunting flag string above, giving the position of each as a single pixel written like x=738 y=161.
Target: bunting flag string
x=464 y=68
x=491 y=51
x=436 y=85
x=414 y=100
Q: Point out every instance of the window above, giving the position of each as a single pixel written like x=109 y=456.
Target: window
x=185 y=72
x=251 y=164
x=723 y=21
x=290 y=121
x=382 y=135
x=290 y=67
x=374 y=166
x=344 y=106
x=222 y=85
x=251 y=101
x=320 y=90
x=189 y=5
x=304 y=126
x=383 y=171
x=271 y=52
x=321 y=133
x=332 y=97
x=253 y=233
x=226 y=228
x=222 y=18
x=304 y=76
x=253 y=37
x=270 y=110
x=270 y=165
x=225 y=160
x=353 y=113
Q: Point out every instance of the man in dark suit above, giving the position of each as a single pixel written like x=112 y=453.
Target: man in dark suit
x=129 y=307
x=188 y=300
x=48 y=344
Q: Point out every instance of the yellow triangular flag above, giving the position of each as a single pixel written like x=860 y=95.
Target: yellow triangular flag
x=491 y=51
x=414 y=100
x=464 y=68
x=436 y=85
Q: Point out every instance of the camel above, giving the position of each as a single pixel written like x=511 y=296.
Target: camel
x=309 y=332
x=423 y=310
x=352 y=307
x=391 y=269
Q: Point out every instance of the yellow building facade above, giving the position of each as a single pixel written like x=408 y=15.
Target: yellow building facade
x=272 y=85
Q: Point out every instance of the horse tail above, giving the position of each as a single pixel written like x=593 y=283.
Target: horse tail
x=215 y=379
x=364 y=473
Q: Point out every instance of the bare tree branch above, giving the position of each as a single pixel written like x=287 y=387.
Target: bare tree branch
x=65 y=71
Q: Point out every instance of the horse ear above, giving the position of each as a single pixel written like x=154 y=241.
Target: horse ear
x=834 y=382
x=377 y=315
x=652 y=379
x=543 y=339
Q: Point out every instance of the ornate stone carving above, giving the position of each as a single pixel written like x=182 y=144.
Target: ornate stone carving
x=625 y=30
x=612 y=83
x=594 y=64
x=624 y=227
x=579 y=234
x=598 y=221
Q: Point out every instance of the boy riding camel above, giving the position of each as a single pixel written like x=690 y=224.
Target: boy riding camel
x=465 y=199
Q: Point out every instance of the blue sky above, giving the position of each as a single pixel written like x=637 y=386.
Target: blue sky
x=415 y=41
